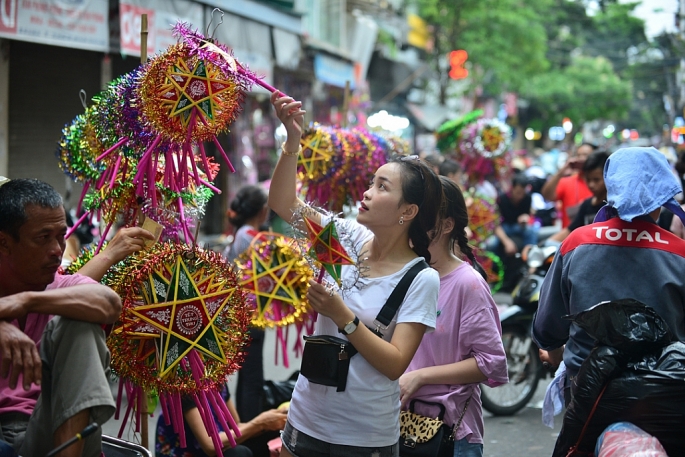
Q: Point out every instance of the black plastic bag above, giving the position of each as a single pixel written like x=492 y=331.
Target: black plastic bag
x=278 y=392
x=644 y=374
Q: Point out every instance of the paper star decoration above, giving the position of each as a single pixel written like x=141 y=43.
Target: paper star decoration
x=276 y=276
x=184 y=313
x=197 y=88
x=327 y=249
x=317 y=152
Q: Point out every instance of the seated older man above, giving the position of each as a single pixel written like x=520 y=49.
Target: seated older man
x=54 y=361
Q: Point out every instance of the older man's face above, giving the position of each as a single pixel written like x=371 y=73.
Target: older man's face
x=34 y=258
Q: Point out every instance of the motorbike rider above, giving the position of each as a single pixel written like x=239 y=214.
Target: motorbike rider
x=607 y=260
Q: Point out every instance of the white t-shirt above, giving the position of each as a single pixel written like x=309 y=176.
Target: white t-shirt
x=366 y=414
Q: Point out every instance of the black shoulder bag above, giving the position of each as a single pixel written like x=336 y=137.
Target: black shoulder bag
x=326 y=358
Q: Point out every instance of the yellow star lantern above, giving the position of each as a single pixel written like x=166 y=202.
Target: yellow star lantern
x=275 y=275
x=317 y=153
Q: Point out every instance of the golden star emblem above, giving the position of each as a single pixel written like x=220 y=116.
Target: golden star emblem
x=180 y=309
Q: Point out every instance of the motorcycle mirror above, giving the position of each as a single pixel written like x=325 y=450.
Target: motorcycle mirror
x=549 y=251
x=536 y=257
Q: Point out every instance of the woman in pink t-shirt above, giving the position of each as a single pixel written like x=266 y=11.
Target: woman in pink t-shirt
x=466 y=347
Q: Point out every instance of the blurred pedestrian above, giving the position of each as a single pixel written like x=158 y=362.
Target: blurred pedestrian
x=248 y=212
x=515 y=207
x=452 y=170
x=434 y=161
x=593 y=170
x=567 y=186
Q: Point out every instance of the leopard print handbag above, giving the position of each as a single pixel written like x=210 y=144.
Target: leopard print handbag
x=422 y=436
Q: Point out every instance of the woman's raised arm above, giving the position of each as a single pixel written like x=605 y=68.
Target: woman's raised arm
x=282 y=190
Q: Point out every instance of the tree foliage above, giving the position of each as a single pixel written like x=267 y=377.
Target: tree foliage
x=505 y=39
x=562 y=59
x=585 y=90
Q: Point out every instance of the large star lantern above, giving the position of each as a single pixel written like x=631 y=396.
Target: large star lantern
x=276 y=277
x=187 y=99
x=185 y=314
x=194 y=88
x=179 y=304
x=327 y=249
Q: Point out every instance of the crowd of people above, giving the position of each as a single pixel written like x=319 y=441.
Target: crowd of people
x=412 y=228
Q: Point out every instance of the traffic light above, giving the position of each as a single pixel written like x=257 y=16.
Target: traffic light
x=457 y=61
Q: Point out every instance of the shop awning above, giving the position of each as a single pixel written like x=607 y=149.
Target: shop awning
x=430 y=116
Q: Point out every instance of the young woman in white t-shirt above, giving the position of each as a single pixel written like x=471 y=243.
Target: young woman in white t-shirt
x=398 y=212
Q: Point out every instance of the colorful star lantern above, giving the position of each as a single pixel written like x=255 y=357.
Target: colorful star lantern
x=276 y=276
x=187 y=101
x=483 y=216
x=79 y=148
x=182 y=330
x=448 y=134
x=110 y=191
x=336 y=164
x=146 y=133
x=327 y=249
x=493 y=266
x=317 y=152
x=484 y=150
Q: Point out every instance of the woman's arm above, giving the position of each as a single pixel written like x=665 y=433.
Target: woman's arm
x=282 y=190
x=272 y=419
x=463 y=372
x=268 y=420
x=389 y=358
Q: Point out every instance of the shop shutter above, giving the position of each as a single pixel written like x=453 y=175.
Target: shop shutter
x=44 y=96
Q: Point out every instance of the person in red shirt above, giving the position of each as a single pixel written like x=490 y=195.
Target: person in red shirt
x=567 y=186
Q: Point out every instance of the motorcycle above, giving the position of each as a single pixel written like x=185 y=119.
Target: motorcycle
x=523 y=362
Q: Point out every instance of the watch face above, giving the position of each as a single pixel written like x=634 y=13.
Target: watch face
x=351 y=327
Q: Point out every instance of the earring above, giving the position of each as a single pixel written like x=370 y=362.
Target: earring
x=401 y=220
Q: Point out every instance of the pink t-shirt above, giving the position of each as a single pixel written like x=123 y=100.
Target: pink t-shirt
x=467 y=326
x=18 y=400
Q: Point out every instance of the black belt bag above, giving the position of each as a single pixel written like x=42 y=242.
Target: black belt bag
x=326 y=358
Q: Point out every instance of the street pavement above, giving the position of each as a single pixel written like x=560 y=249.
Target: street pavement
x=522 y=434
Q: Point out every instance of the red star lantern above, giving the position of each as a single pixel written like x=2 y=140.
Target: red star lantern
x=326 y=248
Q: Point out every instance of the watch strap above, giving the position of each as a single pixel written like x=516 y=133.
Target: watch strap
x=354 y=321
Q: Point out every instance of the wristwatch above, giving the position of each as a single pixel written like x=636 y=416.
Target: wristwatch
x=350 y=326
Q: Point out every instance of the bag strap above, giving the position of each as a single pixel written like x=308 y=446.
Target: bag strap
x=574 y=449
x=453 y=436
x=440 y=406
x=386 y=314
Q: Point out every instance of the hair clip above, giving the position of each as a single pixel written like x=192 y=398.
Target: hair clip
x=413 y=158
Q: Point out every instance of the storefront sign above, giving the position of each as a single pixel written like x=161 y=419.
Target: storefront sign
x=162 y=15
x=333 y=71
x=78 y=24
